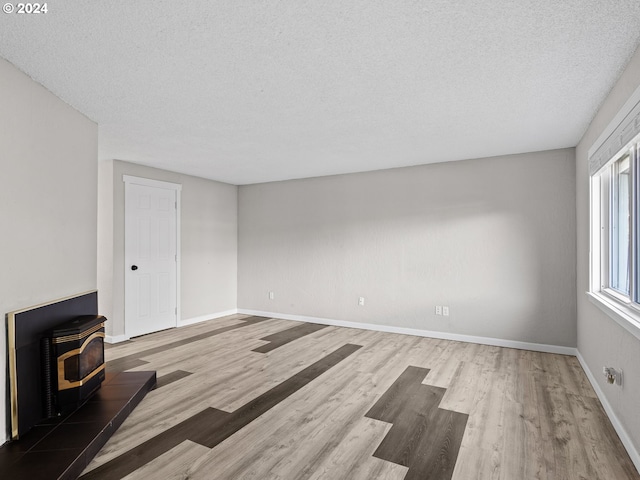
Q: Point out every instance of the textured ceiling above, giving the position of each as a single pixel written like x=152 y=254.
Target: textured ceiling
x=255 y=91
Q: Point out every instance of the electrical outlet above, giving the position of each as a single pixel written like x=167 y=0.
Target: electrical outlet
x=438 y=310
x=271 y=296
x=445 y=311
x=614 y=377
x=361 y=301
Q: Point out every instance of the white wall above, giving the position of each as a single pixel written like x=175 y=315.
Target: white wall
x=491 y=238
x=48 y=167
x=105 y=242
x=209 y=226
x=601 y=341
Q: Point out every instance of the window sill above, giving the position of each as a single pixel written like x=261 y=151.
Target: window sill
x=625 y=316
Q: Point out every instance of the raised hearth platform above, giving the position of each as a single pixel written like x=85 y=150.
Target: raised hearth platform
x=61 y=448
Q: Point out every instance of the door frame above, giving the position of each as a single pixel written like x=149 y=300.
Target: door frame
x=147 y=182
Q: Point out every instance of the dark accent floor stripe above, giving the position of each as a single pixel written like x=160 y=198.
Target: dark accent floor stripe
x=286 y=336
x=423 y=437
x=171 y=377
x=212 y=426
x=123 y=364
x=131 y=361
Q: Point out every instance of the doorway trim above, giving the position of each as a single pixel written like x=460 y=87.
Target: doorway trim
x=177 y=187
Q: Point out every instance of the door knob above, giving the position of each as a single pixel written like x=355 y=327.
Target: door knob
x=134 y=267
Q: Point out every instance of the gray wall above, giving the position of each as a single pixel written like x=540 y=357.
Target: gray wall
x=48 y=165
x=601 y=341
x=209 y=225
x=494 y=239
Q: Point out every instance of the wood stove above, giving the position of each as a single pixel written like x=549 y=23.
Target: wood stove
x=37 y=390
x=73 y=363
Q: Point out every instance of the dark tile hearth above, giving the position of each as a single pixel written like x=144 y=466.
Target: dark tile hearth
x=61 y=448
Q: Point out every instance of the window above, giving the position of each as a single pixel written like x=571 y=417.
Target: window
x=617 y=190
x=614 y=268
x=615 y=242
x=619 y=228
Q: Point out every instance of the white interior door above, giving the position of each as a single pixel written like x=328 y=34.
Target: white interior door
x=151 y=258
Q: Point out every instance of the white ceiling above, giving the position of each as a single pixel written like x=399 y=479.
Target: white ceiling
x=254 y=91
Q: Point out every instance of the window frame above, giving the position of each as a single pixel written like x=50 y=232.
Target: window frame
x=620 y=132
x=625 y=309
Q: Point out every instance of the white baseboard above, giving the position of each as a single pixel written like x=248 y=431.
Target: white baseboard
x=204 y=318
x=116 y=338
x=498 y=342
x=181 y=323
x=617 y=425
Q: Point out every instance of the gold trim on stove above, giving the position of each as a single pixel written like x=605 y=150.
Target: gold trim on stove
x=77 y=336
x=63 y=383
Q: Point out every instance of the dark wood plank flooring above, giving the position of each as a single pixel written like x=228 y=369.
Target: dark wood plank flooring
x=172 y=377
x=212 y=426
x=129 y=362
x=398 y=407
x=423 y=437
x=286 y=336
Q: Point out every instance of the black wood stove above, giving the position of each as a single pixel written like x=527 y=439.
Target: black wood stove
x=73 y=363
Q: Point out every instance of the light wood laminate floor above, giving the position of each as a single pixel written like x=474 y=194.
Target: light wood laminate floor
x=256 y=398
